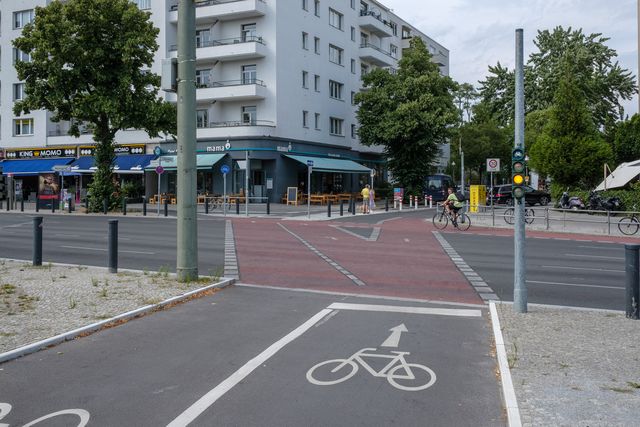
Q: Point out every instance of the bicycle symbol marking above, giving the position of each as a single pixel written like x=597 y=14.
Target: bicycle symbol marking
x=399 y=373
x=84 y=416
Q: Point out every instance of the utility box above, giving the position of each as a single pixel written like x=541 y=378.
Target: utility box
x=169 y=78
x=477 y=197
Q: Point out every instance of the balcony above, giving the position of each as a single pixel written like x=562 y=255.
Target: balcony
x=237 y=128
x=210 y=11
x=376 y=56
x=233 y=49
x=374 y=23
x=232 y=90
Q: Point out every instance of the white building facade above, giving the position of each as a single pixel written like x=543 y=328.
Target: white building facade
x=275 y=78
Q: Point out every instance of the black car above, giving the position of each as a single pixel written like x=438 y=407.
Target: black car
x=531 y=196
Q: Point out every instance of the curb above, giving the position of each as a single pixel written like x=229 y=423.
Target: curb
x=94 y=327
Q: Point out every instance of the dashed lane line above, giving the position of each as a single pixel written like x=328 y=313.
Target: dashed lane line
x=230 y=253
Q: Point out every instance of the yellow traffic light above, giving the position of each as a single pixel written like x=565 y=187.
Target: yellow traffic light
x=518 y=179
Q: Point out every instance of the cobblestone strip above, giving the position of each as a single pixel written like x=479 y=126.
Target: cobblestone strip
x=486 y=293
x=331 y=262
x=230 y=255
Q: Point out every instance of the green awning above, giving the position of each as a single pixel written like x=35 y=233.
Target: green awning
x=323 y=164
x=203 y=161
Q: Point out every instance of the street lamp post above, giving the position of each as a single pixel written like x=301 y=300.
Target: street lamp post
x=526 y=169
x=453 y=170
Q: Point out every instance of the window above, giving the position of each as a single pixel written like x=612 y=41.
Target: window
x=305 y=40
x=249 y=33
x=316 y=7
x=353 y=4
x=305 y=4
x=335 y=89
x=305 y=119
x=364 y=7
x=353 y=98
x=22 y=18
x=394 y=27
x=364 y=39
x=335 y=54
x=143 y=4
x=354 y=132
x=406 y=32
x=203 y=78
x=249 y=74
x=393 y=50
x=22 y=127
x=249 y=115
x=316 y=45
x=20 y=56
x=335 y=126
x=18 y=91
x=316 y=83
x=317 y=121
x=305 y=80
x=202 y=118
x=364 y=69
x=353 y=34
x=203 y=38
x=335 y=19
x=353 y=66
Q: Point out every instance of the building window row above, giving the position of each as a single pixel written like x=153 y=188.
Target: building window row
x=22 y=18
x=22 y=127
x=336 y=19
x=336 y=54
x=335 y=89
x=336 y=126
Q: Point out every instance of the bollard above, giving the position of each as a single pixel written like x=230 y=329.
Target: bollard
x=53 y=205
x=206 y=205
x=37 y=240
x=124 y=206
x=70 y=206
x=329 y=209
x=426 y=198
x=166 y=207
x=37 y=205
x=632 y=280
x=144 y=205
x=430 y=201
x=386 y=204
x=349 y=206
x=410 y=201
x=22 y=205
x=113 y=246
x=105 y=206
x=415 y=202
x=86 y=205
x=354 y=207
x=237 y=207
x=341 y=207
x=268 y=206
x=8 y=205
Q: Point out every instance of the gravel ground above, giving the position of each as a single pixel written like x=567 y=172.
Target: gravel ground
x=40 y=302
x=573 y=367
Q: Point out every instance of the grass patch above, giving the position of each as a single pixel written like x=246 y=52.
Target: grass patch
x=633 y=384
x=152 y=301
x=7 y=289
x=103 y=292
x=620 y=390
x=512 y=357
x=72 y=303
x=564 y=365
x=94 y=282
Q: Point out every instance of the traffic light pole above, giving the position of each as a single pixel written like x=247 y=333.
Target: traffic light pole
x=519 y=270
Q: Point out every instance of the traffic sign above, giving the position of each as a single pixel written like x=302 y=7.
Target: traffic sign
x=61 y=168
x=493 y=165
x=309 y=162
x=225 y=169
x=159 y=170
x=157 y=150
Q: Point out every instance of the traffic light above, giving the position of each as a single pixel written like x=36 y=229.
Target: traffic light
x=517 y=173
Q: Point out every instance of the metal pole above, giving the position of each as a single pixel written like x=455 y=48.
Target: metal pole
x=386 y=204
x=632 y=280
x=268 y=205
x=224 y=193
x=158 y=199
x=246 y=185
x=206 y=205
x=37 y=240
x=144 y=206
x=37 y=205
x=329 y=209
x=309 y=191
x=166 y=207
x=105 y=206
x=461 y=167
x=237 y=206
x=519 y=272
x=609 y=223
x=187 y=257
x=341 y=207
x=21 y=205
x=113 y=246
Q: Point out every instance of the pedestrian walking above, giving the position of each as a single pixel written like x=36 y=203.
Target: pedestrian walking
x=365 y=199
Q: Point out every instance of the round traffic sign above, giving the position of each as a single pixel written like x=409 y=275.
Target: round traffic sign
x=493 y=163
x=159 y=170
x=225 y=169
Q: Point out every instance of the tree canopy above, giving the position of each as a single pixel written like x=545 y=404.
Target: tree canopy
x=626 y=140
x=408 y=113
x=90 y=62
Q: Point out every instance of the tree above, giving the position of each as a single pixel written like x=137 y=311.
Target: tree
x=89 y=64
x=464 y=98
x=570 y=149
x=601 y=81
x=409 y=114
x=626 y=146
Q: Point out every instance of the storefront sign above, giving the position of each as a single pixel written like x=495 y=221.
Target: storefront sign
x=333 y=155
x=42 y=153
x=218 y=148
x=90 y=150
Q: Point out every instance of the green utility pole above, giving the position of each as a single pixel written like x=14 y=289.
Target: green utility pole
x=187 y=259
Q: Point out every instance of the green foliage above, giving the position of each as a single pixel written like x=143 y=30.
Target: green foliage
x=90 y=62
x=626 y=142
x=630 y=198
x=132 y=189
x=408 y=114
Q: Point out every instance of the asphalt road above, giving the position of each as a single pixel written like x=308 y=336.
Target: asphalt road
x=143 y=243
x=253 y=357
x=559 y=271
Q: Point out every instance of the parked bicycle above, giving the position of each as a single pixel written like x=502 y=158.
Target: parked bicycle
x=529 y=215
x=443 y=217
x=629 y=225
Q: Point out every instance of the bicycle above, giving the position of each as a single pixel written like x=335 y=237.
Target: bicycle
x=397 y=369
x=529 y=215
x=441 y=219
x=629 y=225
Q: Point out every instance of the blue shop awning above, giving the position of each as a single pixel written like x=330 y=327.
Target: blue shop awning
x=32 y=166
x=203 y=161
x=323 y=164
x=83 y=164
x=132 y=163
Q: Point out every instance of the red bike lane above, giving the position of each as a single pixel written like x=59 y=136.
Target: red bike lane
x=405 y=261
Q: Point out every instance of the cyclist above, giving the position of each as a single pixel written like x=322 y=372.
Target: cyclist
x=453 y=205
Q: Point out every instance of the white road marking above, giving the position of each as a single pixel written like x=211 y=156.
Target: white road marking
x=17 y=225
x=579 y=285
x=594 y=256
x=409 y=310
x=600 y=247
x=104 y=250
x=394 y=338
x=406 y=240
x=562 y=267
x=217 y=392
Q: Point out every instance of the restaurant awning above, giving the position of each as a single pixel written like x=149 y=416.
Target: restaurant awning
x=32 y=166
x=323 y=164
x=203 y=161
x=83 y=164
x=132 y=163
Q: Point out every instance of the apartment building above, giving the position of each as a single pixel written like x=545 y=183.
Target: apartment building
x=275 y=86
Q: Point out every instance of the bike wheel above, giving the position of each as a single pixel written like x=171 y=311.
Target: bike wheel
x=411 y=377
x=463 y=225
x=529 y=216
x=628 y=225
x=508 y=216
x=338 y=377
x=440 y=220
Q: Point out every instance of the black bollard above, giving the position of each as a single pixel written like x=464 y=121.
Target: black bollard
x=124 y=206
x=8 y=205
x=329 y=209
x=70 y=206
x=354 y=207
x=53 y=205
x=206 y=205
x=386 y=204
x=37 y=205
x=349 y=206
x=37 y=240
x=237 y=207
x=341 y=207
x=632 y=277
x=105 y=206
x=268 y=206
x=1 y=205
x=166 y=207
x=144 y=206
x=86 y=205
x=113 y=246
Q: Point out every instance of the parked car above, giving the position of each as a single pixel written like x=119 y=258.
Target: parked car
x=436 y=186
x=531 y=196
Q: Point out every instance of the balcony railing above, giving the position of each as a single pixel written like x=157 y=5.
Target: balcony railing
x=59 y=132
x=376 y=16
x=224 y=42
x=203 y=3
x=379 y=49
x=236 y=123
x=226 y=83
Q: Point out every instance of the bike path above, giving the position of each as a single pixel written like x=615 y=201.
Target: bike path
x=151 y=371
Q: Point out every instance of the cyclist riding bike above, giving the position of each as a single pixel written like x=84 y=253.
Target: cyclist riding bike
x=452 y=204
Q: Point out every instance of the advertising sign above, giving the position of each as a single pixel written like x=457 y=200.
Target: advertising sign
x=90 y=150
x=398 y=194
x=48 y=187
x=41 y=153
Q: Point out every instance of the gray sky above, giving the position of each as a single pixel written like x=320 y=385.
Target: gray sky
x=479 y=33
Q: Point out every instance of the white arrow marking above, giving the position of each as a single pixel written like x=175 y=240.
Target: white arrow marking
x=394 y=338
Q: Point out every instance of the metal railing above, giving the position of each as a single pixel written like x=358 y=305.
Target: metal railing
x=379 y=49
x=376 y=16
x=236 y=123
x=203 y=3
x=224 y=42
x=60 y=132
x=227 y=83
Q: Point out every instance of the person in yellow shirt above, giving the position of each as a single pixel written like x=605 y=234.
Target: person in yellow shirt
x=365 y=199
